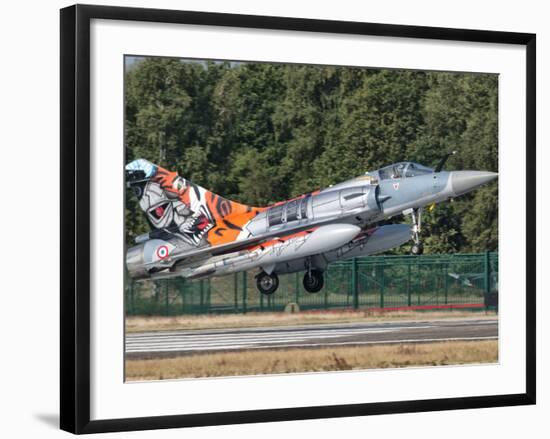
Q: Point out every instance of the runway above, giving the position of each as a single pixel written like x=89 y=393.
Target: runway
x=171 y=343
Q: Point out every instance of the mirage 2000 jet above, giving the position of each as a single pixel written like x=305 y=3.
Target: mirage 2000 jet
x=198 y=234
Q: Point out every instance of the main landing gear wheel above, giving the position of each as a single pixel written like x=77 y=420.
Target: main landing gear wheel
x=313 y=281
x=267 y=283
x=417 y=248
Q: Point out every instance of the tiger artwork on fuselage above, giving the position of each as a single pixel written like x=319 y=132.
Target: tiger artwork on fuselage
x=185 y=210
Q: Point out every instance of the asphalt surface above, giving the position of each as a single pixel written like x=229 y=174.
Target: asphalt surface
x=171 y=343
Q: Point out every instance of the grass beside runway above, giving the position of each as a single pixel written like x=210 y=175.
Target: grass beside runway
x=250 y=320
x=271 y=361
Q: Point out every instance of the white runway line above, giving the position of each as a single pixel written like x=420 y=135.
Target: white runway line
x=257 y=336
x=345 y=343
x=261 y=334
x=280 y=337
x=189 y=343
x=214 y=344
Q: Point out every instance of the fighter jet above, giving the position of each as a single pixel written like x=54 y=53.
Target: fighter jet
x=197 y=234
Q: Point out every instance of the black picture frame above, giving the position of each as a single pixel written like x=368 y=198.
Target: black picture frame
x=75 y=217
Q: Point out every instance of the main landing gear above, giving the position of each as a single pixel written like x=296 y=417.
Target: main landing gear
x=267 y=283
x=313 y=281
x=417 y=248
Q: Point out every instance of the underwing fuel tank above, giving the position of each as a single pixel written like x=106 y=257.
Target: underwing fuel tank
x=370 y=242
x=374 y=241
x=267 y=255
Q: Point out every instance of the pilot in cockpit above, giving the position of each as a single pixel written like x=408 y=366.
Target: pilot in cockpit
x=397 y=171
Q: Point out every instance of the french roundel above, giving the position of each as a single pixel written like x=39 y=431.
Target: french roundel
x=162 y=252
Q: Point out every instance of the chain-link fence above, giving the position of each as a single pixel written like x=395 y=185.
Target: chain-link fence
x=457 y=280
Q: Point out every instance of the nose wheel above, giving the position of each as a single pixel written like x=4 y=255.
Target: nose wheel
x=313 y=281
x=267 y=283
x=417 y=248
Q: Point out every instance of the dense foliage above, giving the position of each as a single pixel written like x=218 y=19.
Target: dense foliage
x=260 y=133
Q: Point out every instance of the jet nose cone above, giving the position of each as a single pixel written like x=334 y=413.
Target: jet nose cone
x=465 y=181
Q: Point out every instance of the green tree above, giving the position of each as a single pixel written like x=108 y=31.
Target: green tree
x=259 y=133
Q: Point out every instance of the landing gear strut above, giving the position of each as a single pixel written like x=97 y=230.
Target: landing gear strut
x=267 y=283
x=313 y=281
x=417 y=248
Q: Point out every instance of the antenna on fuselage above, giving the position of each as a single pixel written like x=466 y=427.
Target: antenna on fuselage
x=443 y=160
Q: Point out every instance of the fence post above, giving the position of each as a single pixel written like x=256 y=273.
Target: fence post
x=446 y=283
x=262 y=302
x=487 y=286
x=181 y=288
x=382 y=286
x=166 y=300
x=132 y=307
x=201 y=290
x=418 y=285
x=325 y=298
x=156 y=295
x=354 y=284
x=438 y=285
x=236 y=291
x=367 y=270
x=296 y=288
x=409 y=289
x=244 y=291
x=208 y=295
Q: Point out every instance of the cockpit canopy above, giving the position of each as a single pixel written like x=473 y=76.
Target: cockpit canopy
x=403 y=170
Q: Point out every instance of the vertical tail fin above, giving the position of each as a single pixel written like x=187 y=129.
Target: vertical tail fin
x=179 y=206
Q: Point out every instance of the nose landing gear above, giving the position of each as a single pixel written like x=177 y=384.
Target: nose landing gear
x=417 y=248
